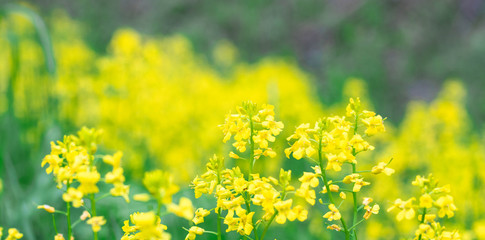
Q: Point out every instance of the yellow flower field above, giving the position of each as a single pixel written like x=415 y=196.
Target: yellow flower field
x=151 y=140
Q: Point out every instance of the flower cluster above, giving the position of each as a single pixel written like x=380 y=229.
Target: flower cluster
x=161 y=188
x=254 y=125
x=73 y=163
x=434 y=202
x=146 y=225
x=73 y=160
x=13 y=234
x=242 y=198
x=160 y=185
x=331 y=143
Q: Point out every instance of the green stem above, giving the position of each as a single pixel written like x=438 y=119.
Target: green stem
x=93 y=212
x=356 y=224
x=354 y=170
x=54 y=223
x=354 y=196
x=219 y=232
x=329 y=193
x=76 y=223
x=219 y=219
x=68 y=210
x=422 y=221
x=267 y=225
x=159 y=206
x=251 y=145
x=105 y=195
x=251 y=165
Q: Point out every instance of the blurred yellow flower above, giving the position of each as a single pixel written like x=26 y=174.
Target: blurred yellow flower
x=96 y=223
x=184 y=209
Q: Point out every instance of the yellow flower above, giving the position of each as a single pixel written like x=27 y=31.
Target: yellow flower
x=343 y=195
x=59 y=236
x=284 y=210
x=333 y=214
x=193 y=232
x=160 y=185
x=88 y=182
x=233 y=155
x=298 y=212
x=426 y=232
x=47 y=208
x=231 y=222
x=114 y=160
x=184 y=209
x=73 y=195
x=407 y=210
x=245 y=222
x=358 y=181
x=367 y=201
x=425 y=201
x=353 y=108
x=446 y=235
x=382 y=168
x=334 y=227
x=54 y=162
x=119 y=189
x=334 y=162
x=240 y=184
x=310 y=179
x=141 y=197
x=333 y=187
x=446 y=205
x=146 y=225
x=115 y=176
x=360 y=144
x=96 y=223
x=302 y=146
x=374 y=124
x=371 y=210
x=307 y=193
x=200 y=213
x=85 y=215
x=14 y=234
x=263 y=137
x=274 y=127
x=233 y=203
x=420 y=181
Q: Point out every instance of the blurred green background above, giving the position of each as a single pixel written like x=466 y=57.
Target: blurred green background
x=403 y=49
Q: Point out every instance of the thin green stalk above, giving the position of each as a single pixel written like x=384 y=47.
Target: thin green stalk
x=329 y=193
x=54 y=223
x=76 y=223
x=251 y=145
x=68 y=210
x=353 y=227
x=354 y=170
x=93 y=212
x=422 y=221
x=354 y=196
x=219 y=220
x=219 y=232
x=267 y=225
x=103 y=196
x=159 y=206
x=251 y=165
